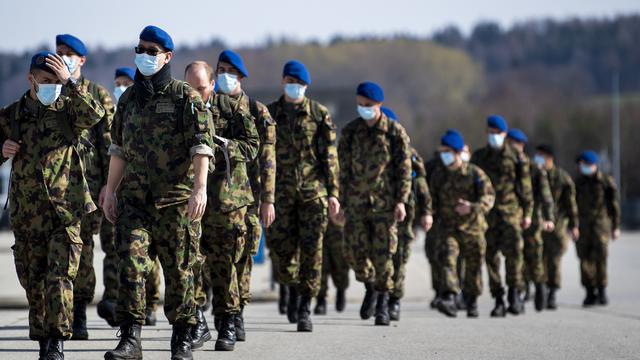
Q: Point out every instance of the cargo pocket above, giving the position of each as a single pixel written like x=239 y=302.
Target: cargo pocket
x=20 y=263
x=74 y=250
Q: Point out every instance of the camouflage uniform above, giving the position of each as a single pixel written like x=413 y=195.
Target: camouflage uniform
x=432 y=247
x=375 y=176
x=566 y=216
x=462 y=235
x=514 y=200
x=334 y=260
x=599 y=214
x=229 y=194
x=542 y=211
x=49 y=196
x=419 y=205
x=157 y=137
x=306 y=175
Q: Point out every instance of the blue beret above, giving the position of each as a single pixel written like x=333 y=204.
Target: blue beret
x=589 y=157
x=390 y=114
x=371 y=91
x=235 y=60
x=156 y=35
x=497 y=122
x=518 y=135
x=73 y=43
x=453 y=139
x=125 y=71
x=297 y=70
x=38 y=62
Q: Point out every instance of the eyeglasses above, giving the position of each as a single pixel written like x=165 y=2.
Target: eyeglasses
x=152 y=52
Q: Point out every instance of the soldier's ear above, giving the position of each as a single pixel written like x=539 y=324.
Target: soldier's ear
x=168 y=56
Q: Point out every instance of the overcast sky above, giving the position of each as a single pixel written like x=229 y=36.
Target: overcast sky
x=25 y=24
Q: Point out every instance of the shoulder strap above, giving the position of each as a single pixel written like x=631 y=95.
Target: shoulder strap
x=253 y=108
x=15 y=124
x=177 y=95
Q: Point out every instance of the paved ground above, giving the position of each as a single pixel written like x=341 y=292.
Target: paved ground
x=569 y=333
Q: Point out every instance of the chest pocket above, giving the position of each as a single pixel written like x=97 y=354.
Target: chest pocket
x=308 y=129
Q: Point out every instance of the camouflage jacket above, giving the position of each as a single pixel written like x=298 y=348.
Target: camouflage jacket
x=158 y=141
x=564 y=195
x=48 y=171
x=542 y=197
x=511 y=181
x=597 y=198
x=375 y=165
x=420 y=196
x=470 y=183
x=229 y=187
x=305 y=150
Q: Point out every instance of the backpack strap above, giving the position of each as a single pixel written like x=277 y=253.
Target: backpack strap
x=253 y=108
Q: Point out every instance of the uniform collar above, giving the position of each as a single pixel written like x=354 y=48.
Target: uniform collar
x=382 y=124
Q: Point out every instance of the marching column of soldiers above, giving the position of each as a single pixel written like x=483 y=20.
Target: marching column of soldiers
x=191 y=175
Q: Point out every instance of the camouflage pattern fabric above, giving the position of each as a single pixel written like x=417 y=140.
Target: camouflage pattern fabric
x=334 y=260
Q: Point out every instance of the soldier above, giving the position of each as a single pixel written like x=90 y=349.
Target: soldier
x=93 y=148
x=565 y=215
x=334 y=264
x=376 y=182
x=542 y=220
x=419 y=205
x=599 y=214
x=262 y=172
x=307 y=178
x=462 y=197
x=124 y=78
x=511 y=214
x=49 y=193
x=159 y=160
x=431 y=246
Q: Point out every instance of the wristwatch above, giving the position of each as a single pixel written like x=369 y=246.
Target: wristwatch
x=72 y=83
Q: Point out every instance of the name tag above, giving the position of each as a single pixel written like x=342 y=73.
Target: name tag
x=164 y=108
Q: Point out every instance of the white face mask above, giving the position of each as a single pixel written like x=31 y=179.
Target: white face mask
x=48 y=93
x=496 y=140
x=539 y=160
x=447 y=158
x=227 y=83
x=118 y=91
x=72 y=63
x=465 y=156
x=295 y=91
x=367 y=112
x=587 y=170
x=147 y=64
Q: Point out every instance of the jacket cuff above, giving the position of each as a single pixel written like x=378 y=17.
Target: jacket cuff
x=115 y=150
x=201 y=150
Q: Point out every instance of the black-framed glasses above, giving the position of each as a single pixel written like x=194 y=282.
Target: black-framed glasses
x=152 y=51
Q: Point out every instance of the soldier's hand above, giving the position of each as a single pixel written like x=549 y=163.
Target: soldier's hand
x=10 y=148
x=339 y=219
x=526 y=223
x=109 y=206
x=103 y=192
x=399 y=212
x=463 y=207
x=267 y=214
x=197 y=203
x=55 y=63
x=548 y=226
x=426 y=222
x=334 y=206
x=575 y=233
x=615 y=234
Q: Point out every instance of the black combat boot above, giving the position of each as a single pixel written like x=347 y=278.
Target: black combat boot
x=200 y=333
x=292 y=304
x=447 y=305
x=129 y=347
x=181 y=342
x=394 y=308
x=540 y=297
x=591 y=298
x=551 y=299
x=107 y=311
x=527 y=292
x=368 y=303
x=461 y=304
x=499 y=310
x=44 y=346
x=304 y=314
x=321 y=306
x=382 y=309
x=602 y=296
x=516 y=306
x=341 y=300
x=227 y=335
x=283 y=299
x=436 y=299
x=55 y=350
x=150 y=317
x=472 y=307
x=79 y=325
x=241 y=335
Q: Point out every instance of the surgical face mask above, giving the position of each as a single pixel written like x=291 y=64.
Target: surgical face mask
x=294 y=91
x=367 y=112
x=227 y=82
x=48 y=93
x=587 y=170
x=465 y=156
x=447 y=158
x=118 y=91
x=72 y=63
x=539 y=160
x=147 y=64
x=496 y=141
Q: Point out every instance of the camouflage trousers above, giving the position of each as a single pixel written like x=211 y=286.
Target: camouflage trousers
x=202 y=278
x=504 y=237
x=373 y=239
x=432 y=248
x=223 y=243
x=110 y=270
x=142 y=234
x=555 y=245
x=533 y=268
x=84 y=286
x=296 y=236
x=401 y=257
x=334 y=260
x=593 y=250
x=47 y=257
x=471 y=249
x=245 y=265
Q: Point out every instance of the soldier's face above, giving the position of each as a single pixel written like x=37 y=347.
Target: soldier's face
x=36 y=77
x=366 y=102
x=517 y=145
x=198 y=78
x=64 y=50
x=122 y=81
x=226 y=68
x=154 y=49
